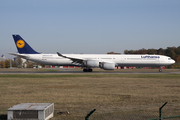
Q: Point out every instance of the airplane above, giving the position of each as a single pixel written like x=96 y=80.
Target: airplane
x=89 y=61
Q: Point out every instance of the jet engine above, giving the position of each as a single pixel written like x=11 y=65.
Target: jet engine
x=92 y=63
x=108 y=66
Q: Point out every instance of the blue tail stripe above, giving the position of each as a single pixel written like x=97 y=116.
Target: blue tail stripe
x=25 y=48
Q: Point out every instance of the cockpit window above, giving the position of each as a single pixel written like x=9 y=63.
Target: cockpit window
x=169 y=59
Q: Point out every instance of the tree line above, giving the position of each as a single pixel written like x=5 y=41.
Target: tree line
x=17 y=63
x=11 y=63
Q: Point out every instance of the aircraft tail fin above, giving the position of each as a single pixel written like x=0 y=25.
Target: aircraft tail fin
x=22 y=46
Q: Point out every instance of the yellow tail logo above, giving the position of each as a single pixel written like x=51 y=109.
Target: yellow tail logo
x=20 y=43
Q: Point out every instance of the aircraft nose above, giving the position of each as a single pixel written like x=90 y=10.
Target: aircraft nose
x=173 y=61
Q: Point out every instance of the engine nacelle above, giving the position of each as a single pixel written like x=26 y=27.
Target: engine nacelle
x=108 y=66
x=92 y=63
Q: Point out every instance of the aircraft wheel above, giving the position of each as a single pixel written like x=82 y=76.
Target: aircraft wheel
x=84 y=70
x=87 y=70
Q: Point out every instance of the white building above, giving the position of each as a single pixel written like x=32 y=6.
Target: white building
x=41 y=111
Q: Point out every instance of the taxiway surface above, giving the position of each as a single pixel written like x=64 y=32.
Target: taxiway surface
x=79 y=71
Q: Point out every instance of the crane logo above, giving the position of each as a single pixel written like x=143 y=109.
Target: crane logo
x=20 y=43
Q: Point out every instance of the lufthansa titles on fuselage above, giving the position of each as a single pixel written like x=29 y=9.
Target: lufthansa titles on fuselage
x=149 y=56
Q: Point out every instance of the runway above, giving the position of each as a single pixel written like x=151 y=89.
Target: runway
x=80 y=71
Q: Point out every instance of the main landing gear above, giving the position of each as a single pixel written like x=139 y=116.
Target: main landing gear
x=87 y=70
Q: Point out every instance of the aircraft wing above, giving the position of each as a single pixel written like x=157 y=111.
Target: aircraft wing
x=74 y=59
x=20 y=55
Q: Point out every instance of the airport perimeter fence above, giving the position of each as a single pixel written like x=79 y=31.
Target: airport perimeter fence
x=168 y=112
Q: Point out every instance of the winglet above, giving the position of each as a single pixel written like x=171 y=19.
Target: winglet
x=22 y=46
x=61 y=55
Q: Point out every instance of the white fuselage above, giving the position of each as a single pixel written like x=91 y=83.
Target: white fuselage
x=119 y=60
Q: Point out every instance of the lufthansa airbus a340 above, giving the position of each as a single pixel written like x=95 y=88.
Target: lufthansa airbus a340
x=89 y=61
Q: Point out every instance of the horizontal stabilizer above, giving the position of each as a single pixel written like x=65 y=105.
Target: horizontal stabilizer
x=25 y=56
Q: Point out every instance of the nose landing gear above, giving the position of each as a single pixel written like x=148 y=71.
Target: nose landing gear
x=160 y=69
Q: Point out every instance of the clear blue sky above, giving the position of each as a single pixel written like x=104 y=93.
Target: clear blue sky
x=90 y=26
